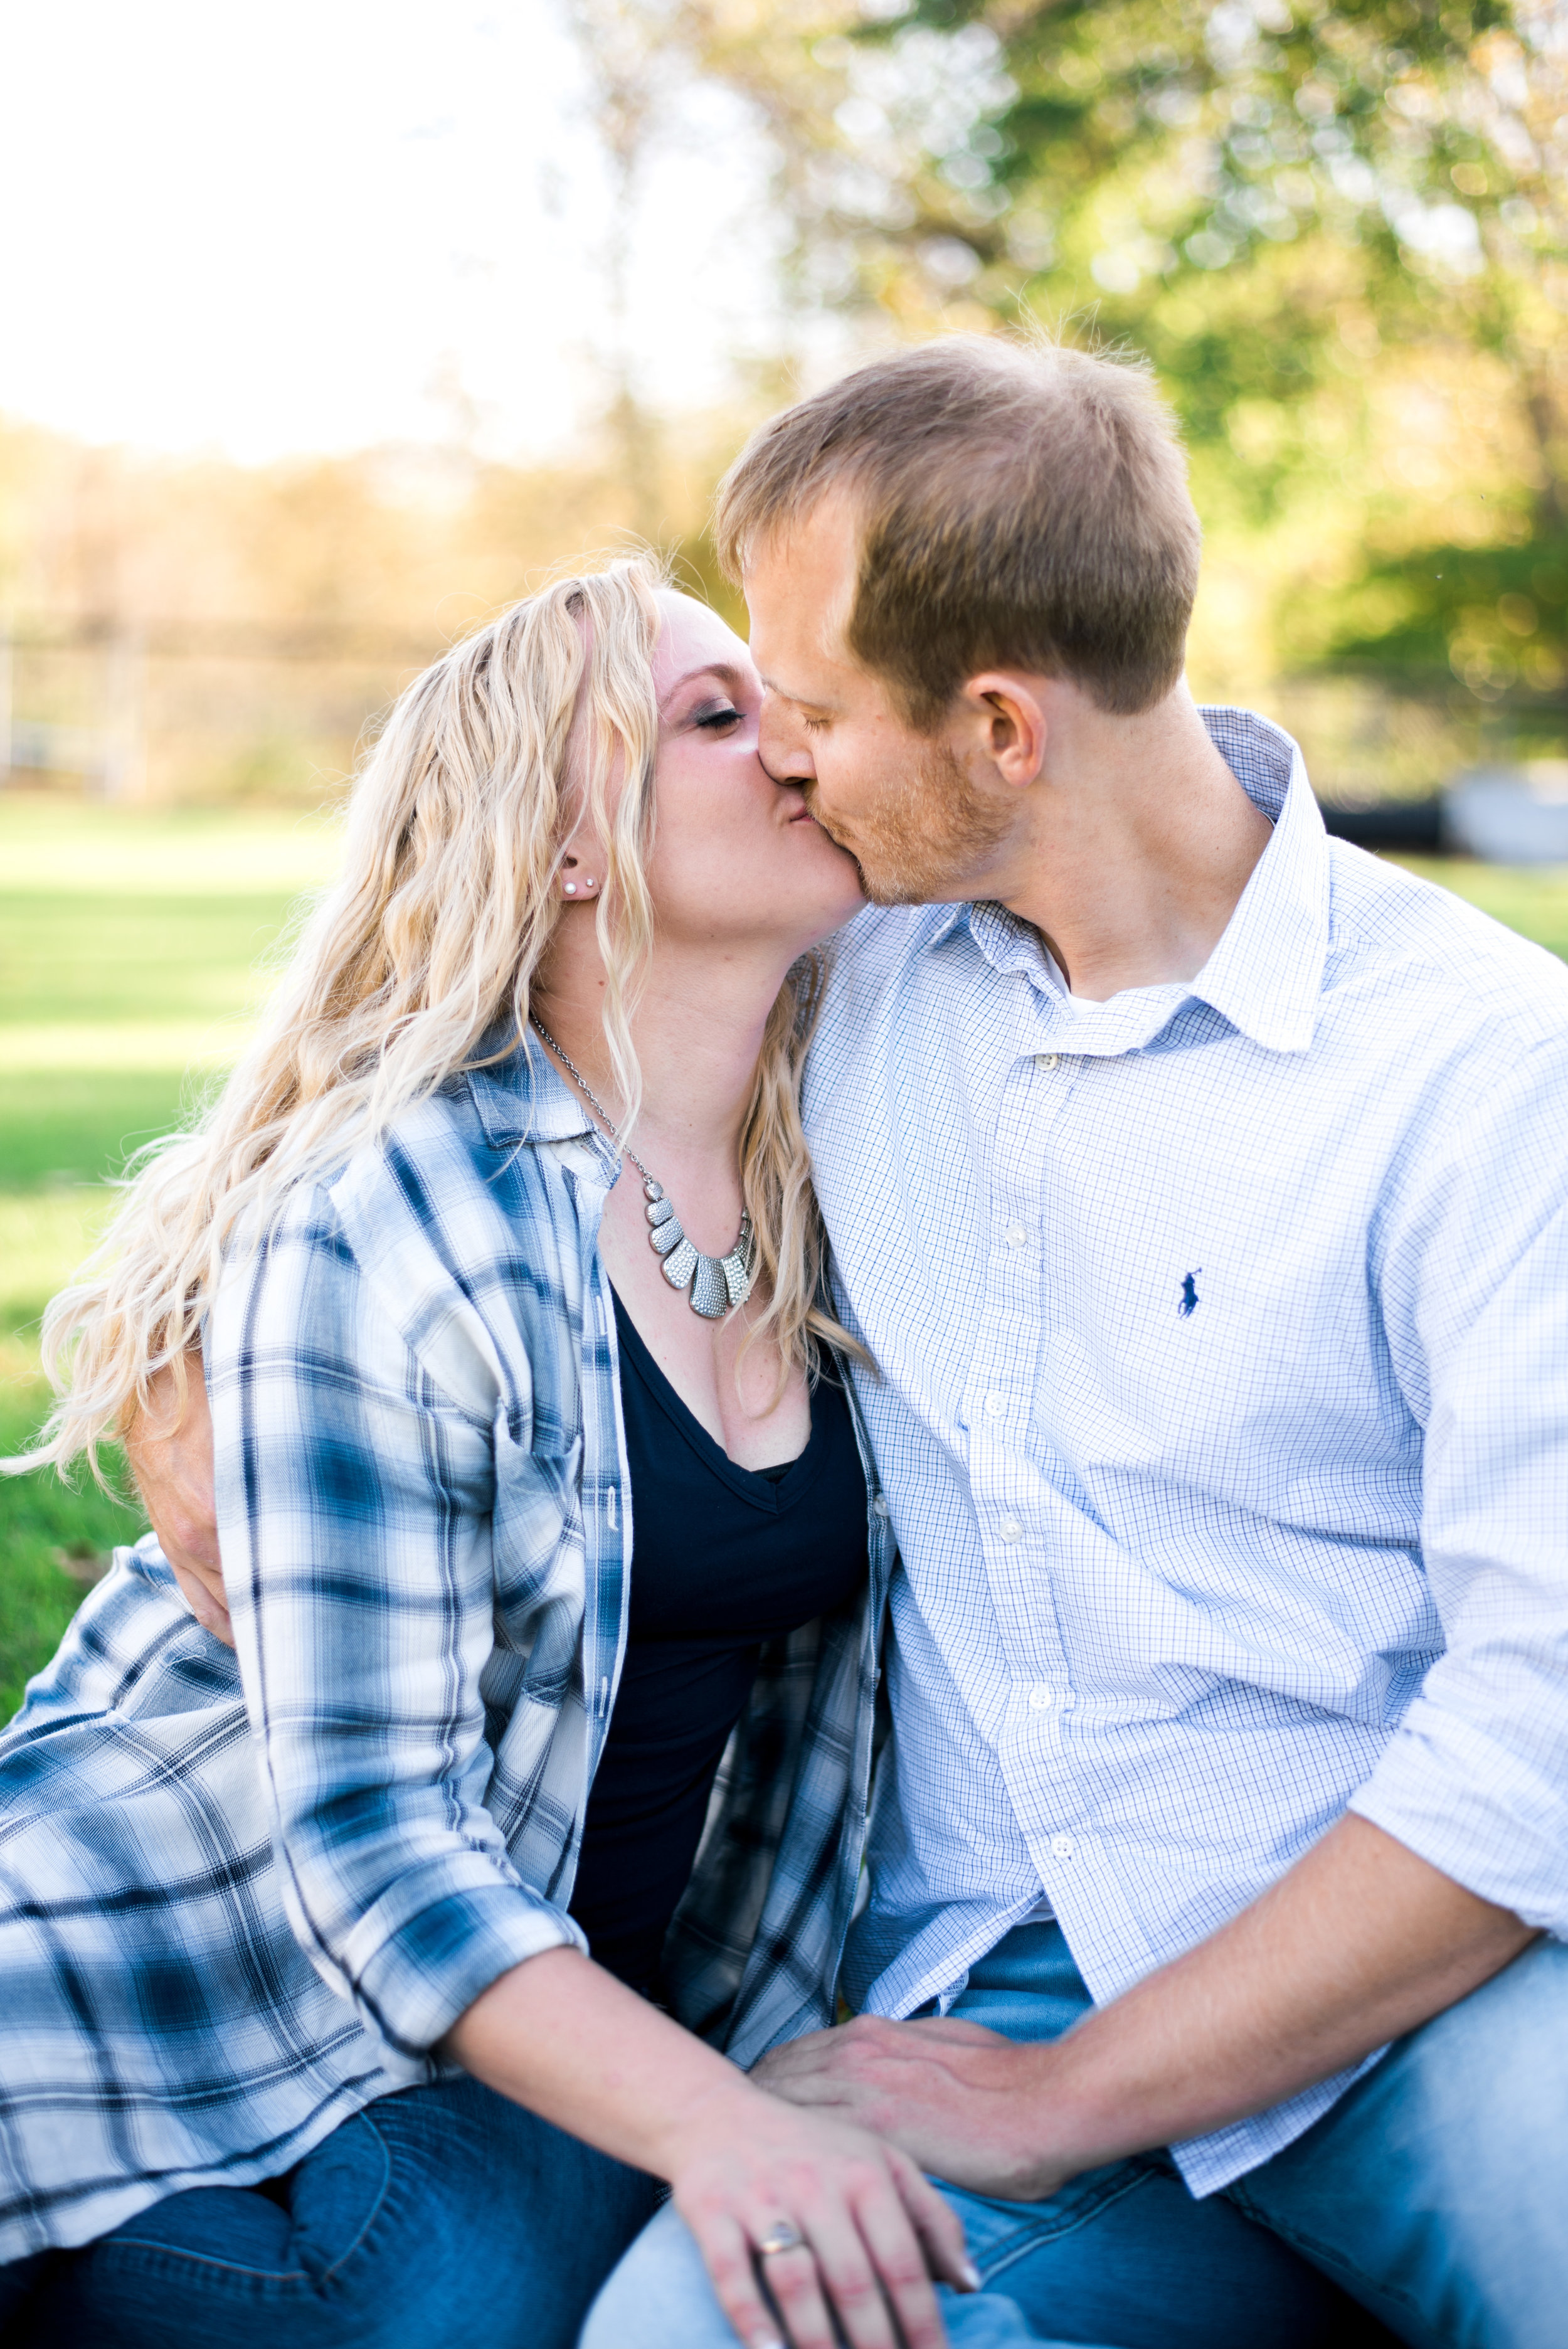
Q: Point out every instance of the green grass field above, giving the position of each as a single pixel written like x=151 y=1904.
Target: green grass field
x=132 y=948
x=132 y=951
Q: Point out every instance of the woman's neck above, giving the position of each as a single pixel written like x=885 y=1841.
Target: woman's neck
x=697 y=1033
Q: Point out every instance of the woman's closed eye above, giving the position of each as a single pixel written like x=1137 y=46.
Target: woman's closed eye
x=719 y=718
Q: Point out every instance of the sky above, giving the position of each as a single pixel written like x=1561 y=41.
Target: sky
x=329 y=225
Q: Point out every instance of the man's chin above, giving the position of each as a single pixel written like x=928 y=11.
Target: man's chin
x=887 y=885
x=884 y=880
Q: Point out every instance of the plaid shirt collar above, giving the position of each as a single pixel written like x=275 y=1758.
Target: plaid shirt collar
x=520 y=1095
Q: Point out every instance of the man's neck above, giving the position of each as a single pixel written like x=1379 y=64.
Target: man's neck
x=1139 y=844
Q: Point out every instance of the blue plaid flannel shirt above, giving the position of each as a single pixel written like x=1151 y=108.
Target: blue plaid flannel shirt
x=241 y=1896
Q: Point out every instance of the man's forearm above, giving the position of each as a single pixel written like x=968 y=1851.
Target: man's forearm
x=169 y=1448
x=1360 y=1942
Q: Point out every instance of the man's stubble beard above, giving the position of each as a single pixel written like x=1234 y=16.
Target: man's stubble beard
x=929 y=835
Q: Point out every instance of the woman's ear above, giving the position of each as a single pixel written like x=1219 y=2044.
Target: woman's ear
x=580 y=867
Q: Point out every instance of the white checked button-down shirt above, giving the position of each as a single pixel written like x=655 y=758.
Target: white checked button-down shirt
x=1222 y=1413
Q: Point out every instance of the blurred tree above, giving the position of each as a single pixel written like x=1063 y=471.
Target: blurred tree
x=1341 y=232
x=629 y=60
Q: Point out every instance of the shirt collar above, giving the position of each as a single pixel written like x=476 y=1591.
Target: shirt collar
x=522 y=1096
x=1265 y=974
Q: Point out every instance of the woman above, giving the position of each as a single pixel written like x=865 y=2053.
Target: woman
x=294 y=1936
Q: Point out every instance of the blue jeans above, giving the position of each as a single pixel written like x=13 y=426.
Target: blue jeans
x=1122 y=2256
x=442 y=2218
x=1430 y=2204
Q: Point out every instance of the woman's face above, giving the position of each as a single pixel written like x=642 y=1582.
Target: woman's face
x=735 y=853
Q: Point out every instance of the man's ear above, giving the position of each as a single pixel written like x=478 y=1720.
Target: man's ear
x=1007 y=723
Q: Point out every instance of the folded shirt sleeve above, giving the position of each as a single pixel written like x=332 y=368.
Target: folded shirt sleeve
x=1470 y=1267
x=354 y=1504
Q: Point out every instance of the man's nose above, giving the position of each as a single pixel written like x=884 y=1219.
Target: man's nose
x=783 y=758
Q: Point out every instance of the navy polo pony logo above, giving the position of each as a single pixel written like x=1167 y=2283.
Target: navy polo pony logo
x=1189 y=1304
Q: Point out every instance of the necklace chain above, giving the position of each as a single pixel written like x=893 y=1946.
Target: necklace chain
x=716 y=1283
x=592 y=1097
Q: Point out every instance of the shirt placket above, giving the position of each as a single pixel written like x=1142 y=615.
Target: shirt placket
x=998 y=1398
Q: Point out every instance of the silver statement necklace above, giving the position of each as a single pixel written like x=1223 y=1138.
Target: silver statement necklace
x=716 y=1282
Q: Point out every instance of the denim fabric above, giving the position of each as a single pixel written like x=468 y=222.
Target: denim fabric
x=660 y=2298
x=1123 y=2255
x=1434 y=2193
x=441 y=2218
x=1437 y=2191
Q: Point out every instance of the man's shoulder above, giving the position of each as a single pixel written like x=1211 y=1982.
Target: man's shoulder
x=884 y=938
x=1445 y=966
x=878 y=953
x=877 y=969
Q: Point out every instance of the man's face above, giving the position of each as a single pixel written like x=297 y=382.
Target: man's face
x=922 y=829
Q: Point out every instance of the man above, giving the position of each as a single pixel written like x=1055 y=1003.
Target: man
x=1198 y=1185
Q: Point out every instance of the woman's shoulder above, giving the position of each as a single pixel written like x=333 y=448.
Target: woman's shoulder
x=459 y=1160
x=453 y=1229
x=452 y=1233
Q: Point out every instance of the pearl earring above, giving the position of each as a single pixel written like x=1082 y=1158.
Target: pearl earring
x=572 y=888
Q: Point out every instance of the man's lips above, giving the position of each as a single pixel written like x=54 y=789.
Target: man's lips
x=806 y=816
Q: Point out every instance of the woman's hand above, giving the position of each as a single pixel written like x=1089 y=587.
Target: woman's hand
x=870 y=2232
x=563 y=2037
x=171 y=1455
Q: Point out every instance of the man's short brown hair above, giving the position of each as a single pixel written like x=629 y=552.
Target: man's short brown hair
x=1023 y=506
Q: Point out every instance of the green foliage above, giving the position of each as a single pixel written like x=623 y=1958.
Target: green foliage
x=1340 y=233
x=1497 y=615
x=1132 y=149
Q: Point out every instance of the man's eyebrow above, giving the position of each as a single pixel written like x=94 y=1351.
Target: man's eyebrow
x=800 y=700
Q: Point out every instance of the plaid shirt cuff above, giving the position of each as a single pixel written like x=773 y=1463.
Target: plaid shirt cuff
x=431 y=1970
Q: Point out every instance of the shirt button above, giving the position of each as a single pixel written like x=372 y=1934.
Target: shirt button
x=996 y=1405
x=1010 y=1530
x=1040 y=1700
x=1047 y=1060
x=880 y=1504
x=1063 y=1846
x=1016 y=1236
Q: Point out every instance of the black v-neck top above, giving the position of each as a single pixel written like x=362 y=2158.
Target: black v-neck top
x=723 y=1558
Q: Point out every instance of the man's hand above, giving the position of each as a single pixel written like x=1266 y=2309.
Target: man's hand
x=953 y=2096
x=171 y=1455
x=1359 y=1942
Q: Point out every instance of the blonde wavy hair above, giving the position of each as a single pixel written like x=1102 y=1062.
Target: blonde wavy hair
x=406 y=970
